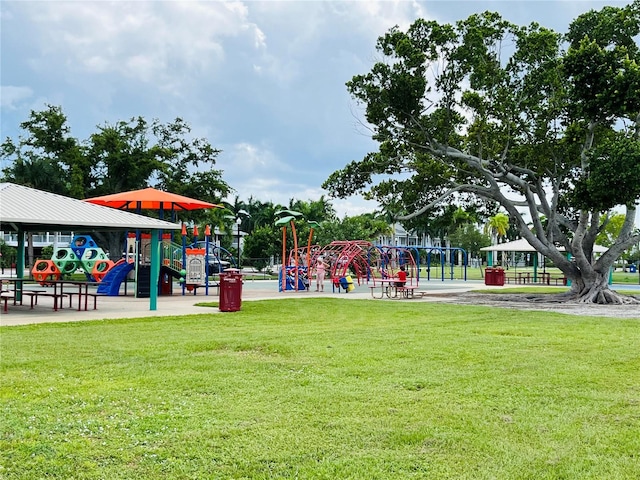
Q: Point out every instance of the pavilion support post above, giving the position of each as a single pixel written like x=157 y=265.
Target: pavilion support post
x=155 y=270
x=20 y=264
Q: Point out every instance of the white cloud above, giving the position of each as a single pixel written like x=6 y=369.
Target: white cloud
x=11 y=96
x=252 y=170
x=248 y=159
x=262 y=80
x=354 y=205
x=164 y=43
x=256 y=171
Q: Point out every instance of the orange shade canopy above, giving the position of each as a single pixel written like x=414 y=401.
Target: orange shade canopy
x=150 y=199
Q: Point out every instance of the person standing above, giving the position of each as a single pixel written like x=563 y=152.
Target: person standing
x=321 y=270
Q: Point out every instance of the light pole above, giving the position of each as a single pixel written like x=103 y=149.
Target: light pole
x=238 y=222
x=237 y=219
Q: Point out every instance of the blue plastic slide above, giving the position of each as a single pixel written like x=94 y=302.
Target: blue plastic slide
x=111 y=282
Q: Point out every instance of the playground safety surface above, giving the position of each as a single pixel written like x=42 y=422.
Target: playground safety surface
x=450 y=291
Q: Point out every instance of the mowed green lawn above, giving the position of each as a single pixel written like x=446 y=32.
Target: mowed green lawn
x=324 y=388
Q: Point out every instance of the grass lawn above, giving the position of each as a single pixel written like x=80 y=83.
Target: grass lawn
x=327 y=389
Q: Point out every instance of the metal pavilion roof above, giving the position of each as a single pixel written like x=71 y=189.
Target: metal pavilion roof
x=521 y=245
x=28 y=209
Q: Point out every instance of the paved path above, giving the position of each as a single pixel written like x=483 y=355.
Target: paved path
x=177 y=304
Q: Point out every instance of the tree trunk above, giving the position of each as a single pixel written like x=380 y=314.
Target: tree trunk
x=595 y=289
x=111 y=242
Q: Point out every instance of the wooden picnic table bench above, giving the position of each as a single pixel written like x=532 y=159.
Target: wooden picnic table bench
x=33 y=295
x=386 y=287
x=5 y=296
x=193 y=287
x=80 y=295
x=410 y=291
x=383 y=285
x=57 y=297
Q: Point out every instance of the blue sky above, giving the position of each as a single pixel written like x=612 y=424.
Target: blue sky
x=263 y=81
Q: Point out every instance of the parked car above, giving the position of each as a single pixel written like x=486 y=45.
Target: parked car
x=216 y=266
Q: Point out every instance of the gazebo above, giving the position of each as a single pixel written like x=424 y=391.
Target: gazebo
x=521 y=245
x=24 y=209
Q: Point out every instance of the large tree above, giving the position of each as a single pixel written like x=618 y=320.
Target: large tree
x=543 y=124
x=126 y=155
x=46 y=158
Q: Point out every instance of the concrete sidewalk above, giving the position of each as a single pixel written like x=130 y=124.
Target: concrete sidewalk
x=177 y=304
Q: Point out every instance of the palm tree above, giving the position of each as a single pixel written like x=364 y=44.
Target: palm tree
x=497 y=227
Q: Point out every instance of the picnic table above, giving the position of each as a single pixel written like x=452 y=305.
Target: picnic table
x=388 y=288
x=19 y=291
x=82 y=292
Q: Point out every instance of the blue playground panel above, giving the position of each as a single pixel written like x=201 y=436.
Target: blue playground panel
x=291 y=278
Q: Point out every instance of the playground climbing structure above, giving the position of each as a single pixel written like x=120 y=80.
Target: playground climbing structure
x=82 y=253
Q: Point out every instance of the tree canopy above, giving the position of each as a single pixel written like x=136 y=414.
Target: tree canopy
x=543 y=124
x=119 y=157
x=126 y=155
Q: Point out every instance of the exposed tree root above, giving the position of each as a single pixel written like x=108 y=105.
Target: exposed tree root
x=599 y=297
x=569 y=302
x=605 y=296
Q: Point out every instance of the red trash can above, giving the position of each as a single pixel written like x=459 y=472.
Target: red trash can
x=230 y=290
x=498 y=276
x=166 y=284
x=489 y=276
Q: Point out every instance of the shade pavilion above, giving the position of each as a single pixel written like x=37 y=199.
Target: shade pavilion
x=521 y=245
x=151 y=199
x=24 y=209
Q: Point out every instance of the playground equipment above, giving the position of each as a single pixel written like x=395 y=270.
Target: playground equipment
x=185 y=263
x=113 y=278
x=346 y=259
x=195 y=272
x=82 y=252
x=312 y=226
x=139 y=245
x=387 y=260
x=296 y=278
x=358 y=262
x=351 y=262
x=446 y=253
x=45 y=270
x=202 y=259
x=296 y=269
x=217 y=258
x=287 y=217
